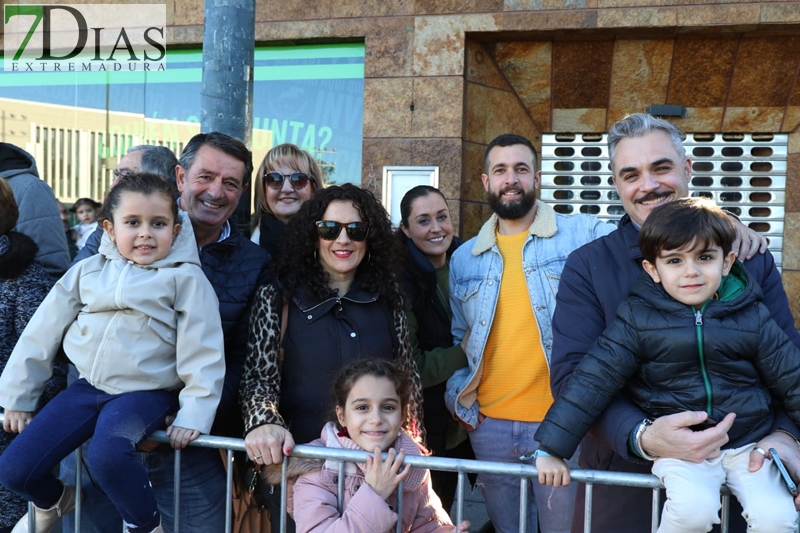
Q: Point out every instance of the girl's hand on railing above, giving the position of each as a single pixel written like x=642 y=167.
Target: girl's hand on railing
x=552 y=471
x=180 y=437
x=384 y=476
x=148 y=445
x=16 y=421
x=463 y=527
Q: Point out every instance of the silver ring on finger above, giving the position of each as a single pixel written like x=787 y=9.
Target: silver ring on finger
x=256 y=458
x=760 y=450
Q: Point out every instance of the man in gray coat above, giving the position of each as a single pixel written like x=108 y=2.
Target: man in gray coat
x=39 y=217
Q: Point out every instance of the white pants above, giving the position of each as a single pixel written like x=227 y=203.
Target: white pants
x=693 y=499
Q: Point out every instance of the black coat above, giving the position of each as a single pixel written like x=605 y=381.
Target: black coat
x=271 y=233
x=433 y=331
x=323 y=337
x=419 y=284
x=669 y=358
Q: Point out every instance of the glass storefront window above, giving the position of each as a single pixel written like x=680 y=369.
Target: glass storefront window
x=77 y=125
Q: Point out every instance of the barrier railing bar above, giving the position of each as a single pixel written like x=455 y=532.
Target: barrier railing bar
x=228 y=490
x=588 y=502
x=461 y=466
x=284 y=496
x=176 y=522
x=725 y=514
x=339 y=489
x=523 y=504
x=460 y=487
x=656 y=509
x=399 y=526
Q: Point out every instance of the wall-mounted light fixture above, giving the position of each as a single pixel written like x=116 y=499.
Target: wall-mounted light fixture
x=666 y=111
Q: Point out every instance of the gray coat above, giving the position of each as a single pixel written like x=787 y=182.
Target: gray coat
x=39 y=216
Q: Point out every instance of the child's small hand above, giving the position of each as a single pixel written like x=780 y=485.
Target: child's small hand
x=180 y=437
x=552 y=471
x=150 y=445
x=16 y=421
x=384 y=477
x=463 y=527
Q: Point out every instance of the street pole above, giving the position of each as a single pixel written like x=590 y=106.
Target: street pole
x=226 y=98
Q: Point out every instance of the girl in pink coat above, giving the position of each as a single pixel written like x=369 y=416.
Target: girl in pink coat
x=371 y=399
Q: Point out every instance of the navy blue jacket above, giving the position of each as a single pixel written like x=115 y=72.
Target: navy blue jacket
x=596 y=279
x=236 y=267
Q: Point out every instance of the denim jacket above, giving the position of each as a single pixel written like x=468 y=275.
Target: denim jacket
x=476 y=269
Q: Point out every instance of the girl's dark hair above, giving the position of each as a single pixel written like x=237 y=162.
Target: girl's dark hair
x=85 y=201
x=677 y=224
x=298 y=263
x=408 y=202
x=9 y=212
x=379 y=368
x=143 y=183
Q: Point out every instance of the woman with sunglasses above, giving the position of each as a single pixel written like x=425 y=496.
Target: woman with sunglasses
x=287 y=178
x=426 y=236
x=335 y=300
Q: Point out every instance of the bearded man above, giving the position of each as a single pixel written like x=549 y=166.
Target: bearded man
x=503 y=286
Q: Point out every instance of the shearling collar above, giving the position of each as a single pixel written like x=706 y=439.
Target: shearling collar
x=544 y=225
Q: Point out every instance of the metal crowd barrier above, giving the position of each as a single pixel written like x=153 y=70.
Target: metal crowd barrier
x=461 y=466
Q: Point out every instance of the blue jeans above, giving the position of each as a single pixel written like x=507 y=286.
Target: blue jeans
x=119 y=423
x=203 y=501
x=505 y=441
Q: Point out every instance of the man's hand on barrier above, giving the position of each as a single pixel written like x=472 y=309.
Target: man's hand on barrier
x=267 y=444
x=788 y=450
x=16 y=421
x=672 y=436
x=180 y=437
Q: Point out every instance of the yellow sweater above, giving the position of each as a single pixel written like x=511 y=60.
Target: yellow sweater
x=515 y=384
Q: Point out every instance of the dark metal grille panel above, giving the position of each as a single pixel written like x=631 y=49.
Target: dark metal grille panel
x=743 y=173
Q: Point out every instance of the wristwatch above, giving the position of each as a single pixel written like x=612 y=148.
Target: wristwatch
x=637 y=439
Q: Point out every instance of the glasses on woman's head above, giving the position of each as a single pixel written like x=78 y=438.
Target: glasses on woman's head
x=299 y=180
x=329 y=230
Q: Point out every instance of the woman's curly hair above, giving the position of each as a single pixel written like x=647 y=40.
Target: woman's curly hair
x=299 y=265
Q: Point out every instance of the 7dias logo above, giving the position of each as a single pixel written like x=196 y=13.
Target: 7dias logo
x=85 y=38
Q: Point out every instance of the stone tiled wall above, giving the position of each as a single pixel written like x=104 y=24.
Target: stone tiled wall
x=444 y=76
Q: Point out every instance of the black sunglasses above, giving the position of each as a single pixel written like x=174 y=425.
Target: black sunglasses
x=299 y=180
x=329 y=230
